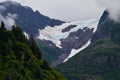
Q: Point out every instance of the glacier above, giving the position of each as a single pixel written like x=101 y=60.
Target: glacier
x=55 y=34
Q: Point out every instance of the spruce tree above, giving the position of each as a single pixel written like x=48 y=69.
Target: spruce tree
x=2 y=26
x=45 y=65
x=35 y=48
x=18 y=33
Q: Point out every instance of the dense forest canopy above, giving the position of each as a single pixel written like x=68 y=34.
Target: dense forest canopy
x=21 y=59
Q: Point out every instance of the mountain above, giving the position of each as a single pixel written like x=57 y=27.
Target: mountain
x=101 y=59
x=29 y=20
x=60 y=40
x=20 y=58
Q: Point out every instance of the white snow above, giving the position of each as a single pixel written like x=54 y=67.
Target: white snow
x=76 y=37
x=75 y=51
x=54 y=34
x=50 y=44
x=26 y=35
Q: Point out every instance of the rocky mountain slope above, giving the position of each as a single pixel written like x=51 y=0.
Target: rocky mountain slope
x=29 y=20
x=60 y=40
x=101 y=60
x=66 y=40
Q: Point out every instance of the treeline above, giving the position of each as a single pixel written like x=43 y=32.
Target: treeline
x=21 y=59
x=16 y=33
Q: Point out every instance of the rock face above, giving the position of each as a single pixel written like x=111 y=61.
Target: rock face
x=75 y=40
x=30 y=21
x=101 y=60
x=65 y=38
x=68 y=28
x=104 y=21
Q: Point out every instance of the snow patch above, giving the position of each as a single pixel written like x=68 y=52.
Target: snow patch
x=55 y=34
x=76 y=37
x=75 y=51
x=26 y=35
x=50 y=44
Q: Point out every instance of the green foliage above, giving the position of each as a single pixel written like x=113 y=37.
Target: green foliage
x=20 y=59
x=2 y=26
x=103 y=66
x=101 y=62
x=17 y=31
x=45 y=65
x=48 y=51
x=115 y=33
x=34 y=48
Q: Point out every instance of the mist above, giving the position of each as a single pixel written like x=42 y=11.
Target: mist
x=9 y=20
x=113 y=7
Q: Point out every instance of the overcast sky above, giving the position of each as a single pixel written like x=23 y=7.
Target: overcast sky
x=68 y=10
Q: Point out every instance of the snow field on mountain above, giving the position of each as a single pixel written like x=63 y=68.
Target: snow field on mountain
x=75 y=51
x=55 y=34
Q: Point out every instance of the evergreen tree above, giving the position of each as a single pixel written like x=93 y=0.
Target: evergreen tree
x=2 y=26
x=45 y=65
x=35 y=48
x=17 y=60
x=18 y=33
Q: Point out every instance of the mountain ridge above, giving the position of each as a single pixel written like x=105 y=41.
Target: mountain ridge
x=55 y=35
x=100 y=60
x=27 y=18
x=75 y=36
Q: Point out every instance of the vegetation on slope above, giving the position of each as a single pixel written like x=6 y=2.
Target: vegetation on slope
x=101 y=60
x=20 y=59
x=48 y=51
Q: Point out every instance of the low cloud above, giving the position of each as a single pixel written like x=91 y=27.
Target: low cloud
x=9 y=20
x=113 y=7
x=67 y=10
x=2 y=8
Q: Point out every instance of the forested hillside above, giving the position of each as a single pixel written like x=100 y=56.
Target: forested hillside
x=20 y=59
